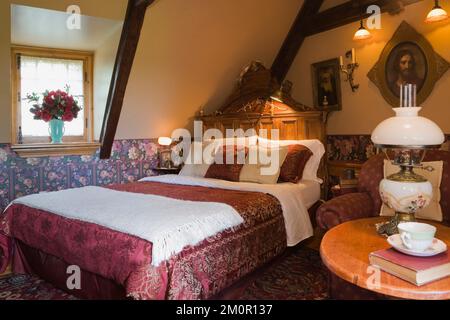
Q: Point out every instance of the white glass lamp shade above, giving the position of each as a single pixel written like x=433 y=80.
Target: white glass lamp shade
x=408 y=129
x=437 y=14
x=165 y=141
x=362 y=34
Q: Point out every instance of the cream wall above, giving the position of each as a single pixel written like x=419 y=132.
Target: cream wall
x=5 y=84
x=96 y=8
x=190 y=55
x=110 y=9
x=104 y=59
x=364 y=109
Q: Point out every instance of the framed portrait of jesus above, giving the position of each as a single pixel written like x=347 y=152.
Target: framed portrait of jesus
x=408 y=58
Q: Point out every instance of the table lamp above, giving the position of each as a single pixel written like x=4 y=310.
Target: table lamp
x=405 y=139
x=165 y=159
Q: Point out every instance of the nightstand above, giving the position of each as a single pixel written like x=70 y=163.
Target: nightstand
x=336 y=170
x=162 y=171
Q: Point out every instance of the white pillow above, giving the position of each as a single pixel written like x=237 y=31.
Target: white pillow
x=254 y=172
x=312 y=166
x=194 y=170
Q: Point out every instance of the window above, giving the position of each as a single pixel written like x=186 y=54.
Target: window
x=38 y=70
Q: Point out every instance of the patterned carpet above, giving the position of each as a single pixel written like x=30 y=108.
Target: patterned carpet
x=24 y=287
x=299 y=275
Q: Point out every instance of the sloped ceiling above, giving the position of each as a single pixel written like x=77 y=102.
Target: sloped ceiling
x=96 y=8
x=327 y=4
x=190 y=54
x=32 y=26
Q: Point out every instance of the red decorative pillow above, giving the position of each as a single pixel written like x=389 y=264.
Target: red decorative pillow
x=296 y=159
x=224 y=171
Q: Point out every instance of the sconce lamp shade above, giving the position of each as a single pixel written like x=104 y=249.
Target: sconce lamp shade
x=164 y=141
x=436 y=14
x=362 y=33
x=408 y=129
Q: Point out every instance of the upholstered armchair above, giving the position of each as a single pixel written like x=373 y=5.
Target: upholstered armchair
x=367 y=202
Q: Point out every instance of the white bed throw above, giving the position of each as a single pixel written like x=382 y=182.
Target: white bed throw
x=295 y=213
x=169 y=224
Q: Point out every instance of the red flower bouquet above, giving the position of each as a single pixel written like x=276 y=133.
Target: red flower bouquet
x=58 y=105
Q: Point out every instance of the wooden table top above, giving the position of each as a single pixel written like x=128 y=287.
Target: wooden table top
x=345 y=251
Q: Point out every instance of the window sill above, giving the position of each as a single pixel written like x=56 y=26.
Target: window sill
x=37 y=150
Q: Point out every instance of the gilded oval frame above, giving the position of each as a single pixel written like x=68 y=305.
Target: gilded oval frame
x=436 y=65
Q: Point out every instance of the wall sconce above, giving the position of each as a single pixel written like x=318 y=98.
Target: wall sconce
x=436 y=14
x=350 y=68
x=362 y=33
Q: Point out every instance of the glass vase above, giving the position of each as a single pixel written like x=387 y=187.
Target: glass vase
x=56 y=130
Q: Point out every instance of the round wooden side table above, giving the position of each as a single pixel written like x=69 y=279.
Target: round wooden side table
x=345 y=251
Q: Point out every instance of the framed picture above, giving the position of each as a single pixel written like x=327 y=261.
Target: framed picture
x=408 y=58
x=326 y=81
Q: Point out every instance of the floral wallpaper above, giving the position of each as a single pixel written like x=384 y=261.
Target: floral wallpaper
x=357 y=148
x=350 y=147
x=130 y=161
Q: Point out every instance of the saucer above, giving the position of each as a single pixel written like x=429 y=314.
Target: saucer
x=436 y=247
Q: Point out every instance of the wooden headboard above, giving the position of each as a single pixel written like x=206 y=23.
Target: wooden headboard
x=250 y=107
x=291 y=126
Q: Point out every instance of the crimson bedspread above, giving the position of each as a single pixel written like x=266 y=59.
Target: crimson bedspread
x=197 y=272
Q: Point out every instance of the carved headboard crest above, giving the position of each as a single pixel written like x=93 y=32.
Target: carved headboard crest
x=253 y=90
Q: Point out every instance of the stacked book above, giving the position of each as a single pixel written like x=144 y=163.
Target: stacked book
x=417 y=270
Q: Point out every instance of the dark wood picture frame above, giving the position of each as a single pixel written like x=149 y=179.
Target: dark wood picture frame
x=432 y=69
x=326 y=83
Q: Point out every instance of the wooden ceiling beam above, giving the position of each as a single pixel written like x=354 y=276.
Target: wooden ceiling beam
x=146 y=3
x=349 y=12
x=294 y=39
x=131 y=32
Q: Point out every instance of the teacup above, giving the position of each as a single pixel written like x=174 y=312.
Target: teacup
x=417 y=236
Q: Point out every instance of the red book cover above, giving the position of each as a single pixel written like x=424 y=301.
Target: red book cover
x=416 y=264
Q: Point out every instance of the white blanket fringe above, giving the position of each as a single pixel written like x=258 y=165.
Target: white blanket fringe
x=295 y=213
x=169 y=224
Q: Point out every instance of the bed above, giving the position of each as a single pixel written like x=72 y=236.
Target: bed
x=116 y=265
x=115 y=259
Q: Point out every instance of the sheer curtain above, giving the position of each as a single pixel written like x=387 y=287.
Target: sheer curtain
x=41 y=74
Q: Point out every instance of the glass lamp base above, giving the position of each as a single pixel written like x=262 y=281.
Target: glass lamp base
x=390 y=228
